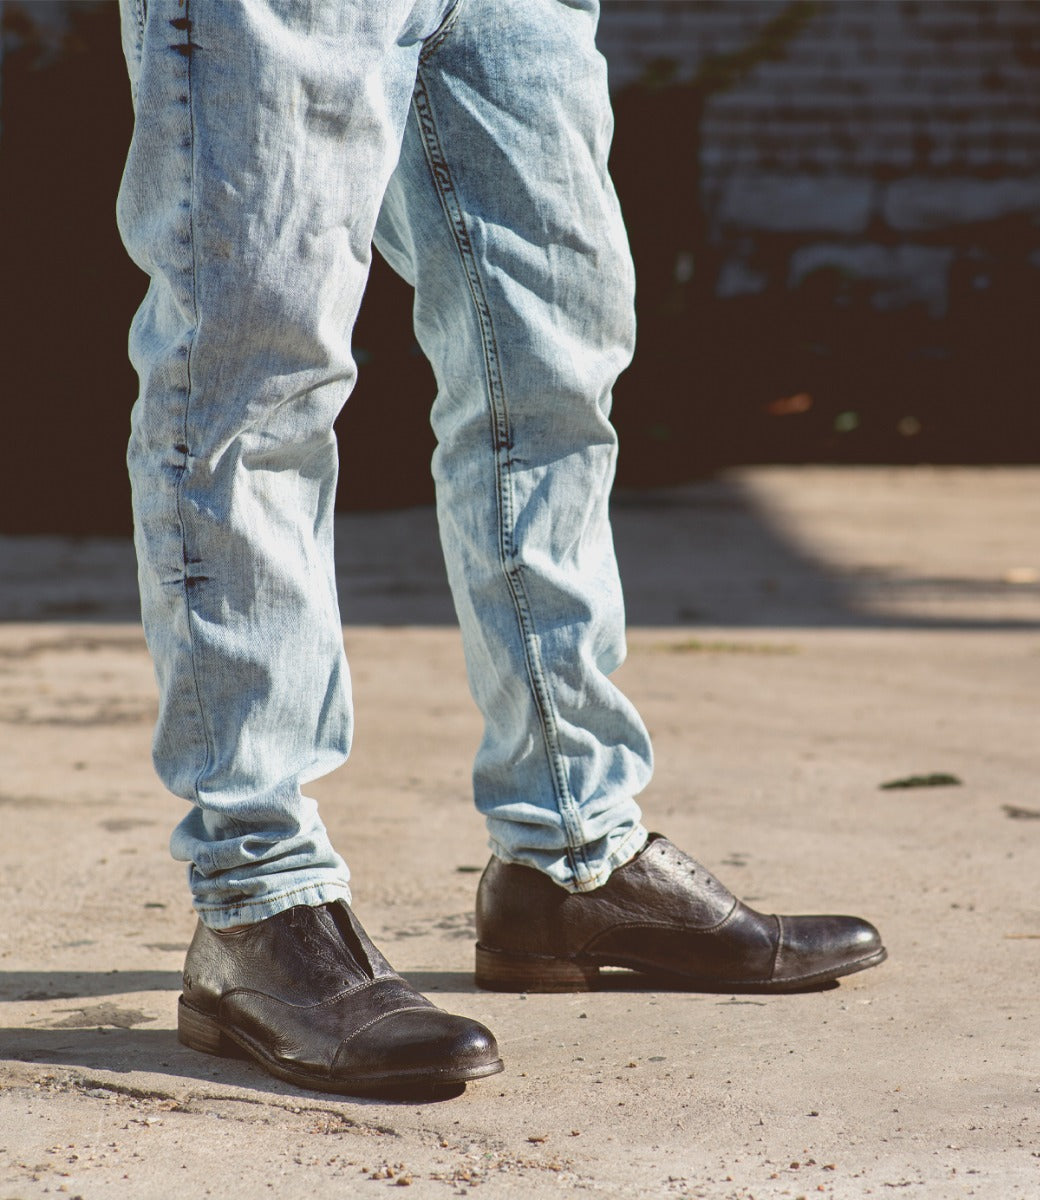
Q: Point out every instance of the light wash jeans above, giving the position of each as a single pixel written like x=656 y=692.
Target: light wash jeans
x=274 y=139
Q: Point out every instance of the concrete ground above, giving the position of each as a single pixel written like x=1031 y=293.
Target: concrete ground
x=799 y=638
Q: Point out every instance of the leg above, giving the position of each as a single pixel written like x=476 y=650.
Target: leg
x=250 y=194
x=264 y=136
x=502 y=215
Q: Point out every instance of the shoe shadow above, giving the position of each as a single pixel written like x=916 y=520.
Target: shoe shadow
x=69 y=985
x=92 y=1033
x=620 y=980
x=157 y=1054
x=454 y=982
x=612 y=979
x=439 y=983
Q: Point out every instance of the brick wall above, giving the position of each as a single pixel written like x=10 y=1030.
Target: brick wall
x=889 y=145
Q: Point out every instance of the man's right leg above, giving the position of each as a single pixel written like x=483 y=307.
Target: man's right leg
x=265 y=133
x=263 y=138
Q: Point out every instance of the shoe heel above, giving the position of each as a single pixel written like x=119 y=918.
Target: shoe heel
x=199 y=1032
x=499 y=971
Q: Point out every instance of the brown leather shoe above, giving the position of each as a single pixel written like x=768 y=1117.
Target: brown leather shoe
x=662 y=914
x=307 y=995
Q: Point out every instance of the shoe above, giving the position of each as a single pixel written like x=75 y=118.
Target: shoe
x=307 y=996
x=663 y=914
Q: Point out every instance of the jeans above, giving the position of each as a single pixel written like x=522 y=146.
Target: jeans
x=275 y=140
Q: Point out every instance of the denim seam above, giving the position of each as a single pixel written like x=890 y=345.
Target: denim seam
x=502 y=442
x=138 y=11
x=433 y=42
x=193 y=249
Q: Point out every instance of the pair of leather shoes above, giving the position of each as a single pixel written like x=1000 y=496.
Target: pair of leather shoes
x=661 y=914
x=307 y=995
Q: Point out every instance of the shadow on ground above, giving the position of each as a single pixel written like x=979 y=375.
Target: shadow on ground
x=710 y=553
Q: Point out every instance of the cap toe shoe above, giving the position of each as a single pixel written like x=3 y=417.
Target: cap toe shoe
x=308 y=996
x=663 y=915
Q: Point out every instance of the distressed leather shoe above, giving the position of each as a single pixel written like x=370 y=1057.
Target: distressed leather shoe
x=307 y=995
x=662 y=914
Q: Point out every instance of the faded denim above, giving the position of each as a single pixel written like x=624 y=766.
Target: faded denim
x=274 y=140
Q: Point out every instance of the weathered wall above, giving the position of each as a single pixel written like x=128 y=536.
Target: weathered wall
x=893 y=143
x=833 y=208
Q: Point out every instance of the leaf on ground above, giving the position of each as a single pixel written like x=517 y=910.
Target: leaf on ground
x=697 y=646
x=936 y=779
x=1021 y=814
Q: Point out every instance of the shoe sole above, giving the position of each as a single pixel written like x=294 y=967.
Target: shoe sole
x=202 y=1032
x=501 y=971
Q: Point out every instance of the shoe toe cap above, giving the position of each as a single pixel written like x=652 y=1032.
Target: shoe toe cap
x=420 y=1044
x=815 y=949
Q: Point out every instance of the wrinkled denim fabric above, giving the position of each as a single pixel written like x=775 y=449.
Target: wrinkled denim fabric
x=275 y=140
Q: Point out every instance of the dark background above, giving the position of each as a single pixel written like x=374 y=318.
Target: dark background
x=821 y=365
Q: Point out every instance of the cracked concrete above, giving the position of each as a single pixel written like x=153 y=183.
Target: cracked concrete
x=799 y=638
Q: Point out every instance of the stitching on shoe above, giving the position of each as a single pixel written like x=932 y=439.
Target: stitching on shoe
x=780 y=943
x=346 y=994
x=715 y=930
x=375 y=1021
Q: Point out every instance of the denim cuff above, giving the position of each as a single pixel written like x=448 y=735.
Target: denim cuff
x=249 y=912
x=587 y=867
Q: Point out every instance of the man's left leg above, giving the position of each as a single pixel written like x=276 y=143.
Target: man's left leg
x=502 y=214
